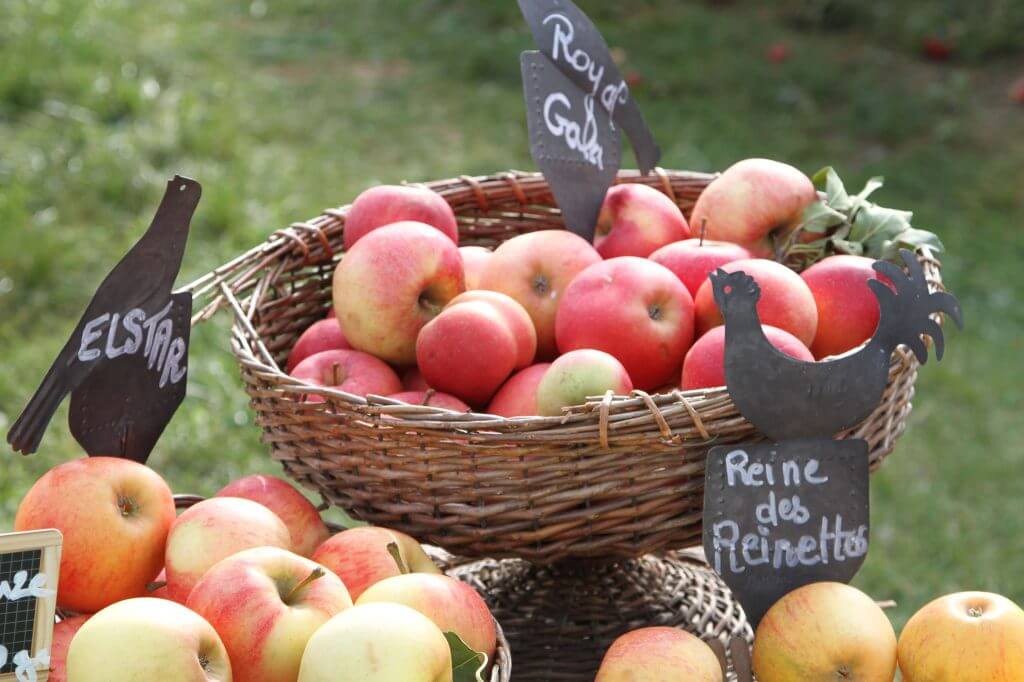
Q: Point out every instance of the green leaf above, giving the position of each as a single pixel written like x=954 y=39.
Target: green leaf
x=467 y=665
x=847 y=246
x=835 y=193
x=872 y=184
x=819 y=217
x=910 y=238
x=876 y=224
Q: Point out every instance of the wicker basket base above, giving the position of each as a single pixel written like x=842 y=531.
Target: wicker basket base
x=560 y=619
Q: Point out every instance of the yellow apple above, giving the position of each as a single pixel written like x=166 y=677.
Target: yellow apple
x=360 y=556
x=655 y=654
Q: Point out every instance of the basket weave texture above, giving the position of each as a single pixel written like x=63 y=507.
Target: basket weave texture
x=616 y=477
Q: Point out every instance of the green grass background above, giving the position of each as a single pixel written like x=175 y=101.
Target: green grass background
x=282 y=109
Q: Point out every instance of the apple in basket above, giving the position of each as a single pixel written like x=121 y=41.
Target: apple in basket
x=306 y=528
x=265 y=603
x=693 y=259
x=431 y=398
x=451 y=604
x=848 y=310
x=147 y=639
x=387 y=204
x=967 y=637
x=517 y=397
x=115 y=515
x=786 y=301
x=535 y=268
x=377 y=642
x=753 y=203
x=824 y=631
x=474 y=260
x=515 y=316
x=391 y=283
x=633 y=309
x=322 y=335
x=659 y=653
x=578 y=374
x=636 y=220
x=361 y=556
x=212 y=530
x=347 y=370
x=704 y=366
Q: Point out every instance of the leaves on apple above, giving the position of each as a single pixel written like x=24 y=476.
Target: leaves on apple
x=467 y=665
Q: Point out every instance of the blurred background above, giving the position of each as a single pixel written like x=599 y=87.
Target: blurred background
x=282 y=109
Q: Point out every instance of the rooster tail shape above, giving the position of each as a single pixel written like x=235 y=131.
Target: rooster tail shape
x=906 y=312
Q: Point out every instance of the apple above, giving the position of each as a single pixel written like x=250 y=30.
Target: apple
x=847 y=308
x=377 y=643
x=474 y=259
x=517 y=397
x=659 y=653
x=158 y=588
x=578 y=374
x=431 y=398
x=633 y=309
x=391 y=283
x=825 y=631
x=691 y=260
x=753 y=203
x=215 y=529
x=786 y=301
x=468 y=351
x=451 y=604
x=265 y=603
x=387 y=204
x=519 y=322
x=704 y=366
x=63 y=633
x=322 y=335
x=360 y=556
x=114 y=514
x=147 y=639
x=347 y=370
x=412 y=380
x=964 y=637
x=636 y=220
x=535 y=268
x=306 y=528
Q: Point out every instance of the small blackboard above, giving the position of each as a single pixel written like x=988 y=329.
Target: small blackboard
x=29 y=569
x=781 y=515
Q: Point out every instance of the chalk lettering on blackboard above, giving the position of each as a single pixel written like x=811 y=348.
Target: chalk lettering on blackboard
x=581 y=138
x=17 y=588
x=26 y=665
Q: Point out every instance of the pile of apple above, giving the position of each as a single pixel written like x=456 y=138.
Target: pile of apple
x=547 y=319
x=832 y=631
x=252 y=587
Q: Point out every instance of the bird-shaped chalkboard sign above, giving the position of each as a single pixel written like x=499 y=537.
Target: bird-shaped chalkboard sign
x=794 y=510
x=576 y=103
x=126 y=362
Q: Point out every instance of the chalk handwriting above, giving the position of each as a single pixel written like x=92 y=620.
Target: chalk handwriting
x=583 y=139
x=562 y=48
x=25 y=666
x=19 y=590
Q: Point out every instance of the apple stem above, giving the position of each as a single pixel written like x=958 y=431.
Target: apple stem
x=427 y=395
x=155 y=585
x=336 y=374
x=703 y=229
x=316 y=574
x=396 y=554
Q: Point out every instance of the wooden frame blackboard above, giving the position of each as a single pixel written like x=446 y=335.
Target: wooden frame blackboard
x=26 y=620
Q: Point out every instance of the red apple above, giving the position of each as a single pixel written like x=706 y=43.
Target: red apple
x=391 y=283
x=215 y=529
x=474 y=259
x=158 y=588
x=306 y=528
x=431 y=398
x=535 y=268
x=637 y=220
x=777 y=53
x=704 y=366
x=451 y=604
x=517 y=397
x=468 y=351
x=360 y=556
x=331 y=315
x=825 y=631
x=634 y=309
x=412 y=380
x=659 y=653
x=115 y=515
x=1016 y=91
x=387 y=204
x=847 y=309
x=63 y=633
x=519 y=322
x=937 y=49
x=147 y=639
x=786 y=301
x=265 y=603
x=752 y=203
x=573 y=377
x=966 y=637
x=322 y=335
x=692 y=260
x=347 y=370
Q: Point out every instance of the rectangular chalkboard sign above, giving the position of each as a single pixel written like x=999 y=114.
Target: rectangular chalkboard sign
x=29 y=569
x=781 y=515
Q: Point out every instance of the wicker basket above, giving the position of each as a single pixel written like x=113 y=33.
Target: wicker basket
x=618 y=477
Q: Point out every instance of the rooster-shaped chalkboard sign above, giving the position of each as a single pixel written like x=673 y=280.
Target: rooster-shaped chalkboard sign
x=794 y=510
